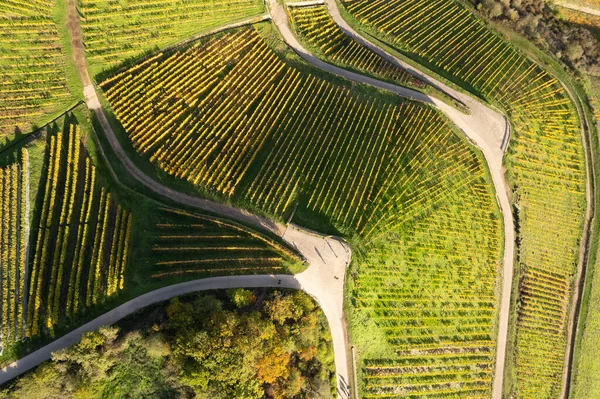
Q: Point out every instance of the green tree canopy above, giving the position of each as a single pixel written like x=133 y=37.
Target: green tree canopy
x=245 y=344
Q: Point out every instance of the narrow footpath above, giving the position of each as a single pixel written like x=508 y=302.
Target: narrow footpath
x=485 y=128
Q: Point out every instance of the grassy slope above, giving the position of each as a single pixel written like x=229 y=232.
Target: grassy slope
x=552 y=65
x=585 y=380
x=586 y=88
x=73 y=81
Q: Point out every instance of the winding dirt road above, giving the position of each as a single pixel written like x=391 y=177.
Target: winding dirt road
x=327 y=257
x=484 y=127
x=578 y=7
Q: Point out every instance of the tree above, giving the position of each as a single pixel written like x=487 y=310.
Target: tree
x=285 y=307
x=207 y=348
x=273 y=366
x=93 y=357
x=241 y=297
x=574 y=51
x=493 y=7
x=138 y=375
x=512 y=14
x=45 y=383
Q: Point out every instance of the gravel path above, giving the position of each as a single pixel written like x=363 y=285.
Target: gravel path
x=327 y=256
x=577 y=7
x=484 y=127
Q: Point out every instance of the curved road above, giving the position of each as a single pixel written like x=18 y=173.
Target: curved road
x=162 y=294
x=484 y=127
x=327 y=257
x=580 y=8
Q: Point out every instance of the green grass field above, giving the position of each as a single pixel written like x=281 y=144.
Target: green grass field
x=240 y=117
x=595 y=87
x=115 y=32
x=545 y=163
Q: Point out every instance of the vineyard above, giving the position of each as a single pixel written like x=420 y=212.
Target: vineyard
x=546 y=163
x=185 y=111
x=187 y=244
x=14 y=237
x=32 y=76
x=236 y=116
x=230 y=115
x=116 y=31
x=315 y=26
x=82 y=237
x=425 y=302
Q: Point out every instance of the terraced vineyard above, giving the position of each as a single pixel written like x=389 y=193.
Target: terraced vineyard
x=32 y=75
x=315 y=25
x=546 y=163
x=231 y=116
x=188 y=244
x=83 y=235
x=14 y=235
x=116 y=31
